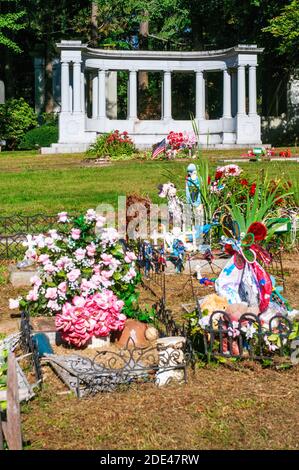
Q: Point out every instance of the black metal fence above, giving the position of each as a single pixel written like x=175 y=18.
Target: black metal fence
x=29 y=346
x=247 y=338
x=14 y=230
x=108 y=370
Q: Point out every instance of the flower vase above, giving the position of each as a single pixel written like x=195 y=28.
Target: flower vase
x=98 y=342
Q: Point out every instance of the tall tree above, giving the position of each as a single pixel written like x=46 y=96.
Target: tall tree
x=285 y=28
x=10 y=21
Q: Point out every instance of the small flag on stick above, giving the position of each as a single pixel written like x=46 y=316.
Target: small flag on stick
x=159 y=148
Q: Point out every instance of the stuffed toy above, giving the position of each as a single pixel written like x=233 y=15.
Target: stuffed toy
x=243 y=279
x=213 y=302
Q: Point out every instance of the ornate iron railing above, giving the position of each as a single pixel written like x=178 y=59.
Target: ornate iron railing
x=29 y=346
x=108 y=370
x=247 y=338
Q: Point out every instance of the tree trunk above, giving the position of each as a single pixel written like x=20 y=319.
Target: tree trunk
x=94 y=24
x=49 y=99
x=143 y=45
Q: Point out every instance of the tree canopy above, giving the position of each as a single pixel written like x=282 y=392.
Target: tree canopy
x=10 y=22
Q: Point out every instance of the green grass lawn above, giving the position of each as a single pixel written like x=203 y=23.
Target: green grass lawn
x=31 y=183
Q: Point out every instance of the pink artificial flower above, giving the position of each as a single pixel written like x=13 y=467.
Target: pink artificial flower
x=62 y=287
x=130 y=256
x=32 y=295
x=63 y=262
x=49 y=268
x=53 y=234
x=91 y=250
x=80 y=254
x=75 y=233
x=53 y=305
x=14 y=303
x=100 y=221
x=43 y=259
x=79 y=301
x=36 y=281
x=90 y=215
x=131 y=274
x=97 y=315
x=49 y=242
x=106 y=259
x=73 y=275
x=51 y=293
x=62 y=217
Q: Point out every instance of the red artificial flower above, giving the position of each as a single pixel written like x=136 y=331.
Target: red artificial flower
x=218 y=175
x=232 y=171
x=209 y=179
x=252 y=189
x=259 y=231
x=244 y=182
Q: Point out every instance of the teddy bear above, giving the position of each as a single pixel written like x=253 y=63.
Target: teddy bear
x=213 y=302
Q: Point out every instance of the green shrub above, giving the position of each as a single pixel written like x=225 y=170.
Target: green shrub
x=42 y=136
x=16 y=118
x=113 y=144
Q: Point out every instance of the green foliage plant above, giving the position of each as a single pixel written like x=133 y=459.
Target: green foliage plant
x=16 y=118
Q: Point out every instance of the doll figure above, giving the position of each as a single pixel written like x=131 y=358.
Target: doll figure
x=193 y=195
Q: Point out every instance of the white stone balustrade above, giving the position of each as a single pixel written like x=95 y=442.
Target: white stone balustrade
x=84 y=76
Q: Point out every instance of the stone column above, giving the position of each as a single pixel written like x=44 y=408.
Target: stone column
x=167 y=95
x=95 y=96
x=200 y=95
x=77 y=87
x=102 y=94
x=65 y=87
x=252 y=90
x=227 y=109
x=241 y=91
x=171 y=360
x=132 y=94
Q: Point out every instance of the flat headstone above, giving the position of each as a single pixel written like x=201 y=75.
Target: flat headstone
x=43 y=324
x=21 y=277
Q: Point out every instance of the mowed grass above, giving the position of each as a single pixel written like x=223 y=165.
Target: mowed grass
x=31 y=183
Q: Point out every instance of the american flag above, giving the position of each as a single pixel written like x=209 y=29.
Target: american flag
x=159 y=148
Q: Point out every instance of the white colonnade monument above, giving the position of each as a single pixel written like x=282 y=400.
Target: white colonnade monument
x=86 y=109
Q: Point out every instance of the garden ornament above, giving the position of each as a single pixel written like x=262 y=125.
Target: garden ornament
x=147 y=256
x=174 y=203
x=193 y=195
x=177 y=255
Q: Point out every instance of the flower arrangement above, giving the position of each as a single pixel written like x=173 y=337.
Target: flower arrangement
x=85 y=277
x=114 y=144
x=180 y=142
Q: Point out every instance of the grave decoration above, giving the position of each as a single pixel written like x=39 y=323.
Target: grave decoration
x=258 y=153
x=252 y=304
x=86 y=278
x=181 y=144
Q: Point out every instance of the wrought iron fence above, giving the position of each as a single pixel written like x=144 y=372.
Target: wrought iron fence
x=108 y=370
x=247 y=338
x=29 y=346
x=14 y=230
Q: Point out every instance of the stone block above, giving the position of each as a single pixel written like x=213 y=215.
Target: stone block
x=21 y=277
